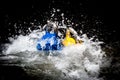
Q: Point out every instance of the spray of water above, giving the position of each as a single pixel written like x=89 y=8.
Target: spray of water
x=77 y=62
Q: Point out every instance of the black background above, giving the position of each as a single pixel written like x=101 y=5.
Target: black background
x=17 y=11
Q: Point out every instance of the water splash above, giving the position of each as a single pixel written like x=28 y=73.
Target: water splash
x=77 y=62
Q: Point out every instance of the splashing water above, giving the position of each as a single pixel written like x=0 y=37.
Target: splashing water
x=77 y=62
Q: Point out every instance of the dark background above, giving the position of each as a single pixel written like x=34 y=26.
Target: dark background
x=20 y=11
x=106 y=12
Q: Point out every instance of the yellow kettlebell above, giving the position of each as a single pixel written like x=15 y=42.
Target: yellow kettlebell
x=68 y=39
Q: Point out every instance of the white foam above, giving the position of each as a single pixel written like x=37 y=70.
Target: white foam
x=81 y=60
